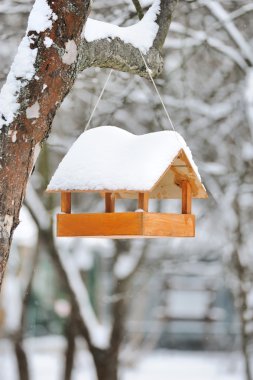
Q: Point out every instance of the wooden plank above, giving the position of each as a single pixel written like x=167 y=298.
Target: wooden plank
x=169 y=225
x=197 y=188
x=167 y=186
x=109 y=202
x=66 y=202
x=186 y=197
x=143 y=199
x=116 y=224
x=126 y=225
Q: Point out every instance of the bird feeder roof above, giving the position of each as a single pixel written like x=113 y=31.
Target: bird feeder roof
x=108 y=158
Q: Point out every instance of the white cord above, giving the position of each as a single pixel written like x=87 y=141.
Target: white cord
x=98 y=100
x=149 y=71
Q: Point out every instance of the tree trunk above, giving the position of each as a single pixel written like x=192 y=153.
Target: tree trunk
x=70 y=351
x=5 y=243
x=242 y=308
x=241 y=274
x=23 y=369
x=39 y=98
x=106 y=363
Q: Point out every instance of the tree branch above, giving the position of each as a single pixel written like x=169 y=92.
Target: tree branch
x=163 y=20
x=138 y=8
x=116 y=54
x=217 y=10
x=199 y=37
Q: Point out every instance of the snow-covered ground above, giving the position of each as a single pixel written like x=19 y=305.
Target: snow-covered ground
x=46 y=355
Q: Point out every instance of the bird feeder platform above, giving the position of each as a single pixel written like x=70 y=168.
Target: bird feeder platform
x=117 y=164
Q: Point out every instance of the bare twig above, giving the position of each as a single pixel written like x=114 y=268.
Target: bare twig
x=138 y=8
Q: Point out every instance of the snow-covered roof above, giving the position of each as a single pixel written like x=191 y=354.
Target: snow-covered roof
x=110 y=158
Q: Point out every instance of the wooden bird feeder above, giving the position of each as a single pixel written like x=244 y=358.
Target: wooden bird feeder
x=118 y=164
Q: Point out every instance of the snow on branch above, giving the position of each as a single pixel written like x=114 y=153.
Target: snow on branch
x=110 y=46
x=224 y=18
x=140 y=35
x=246 y=8
x=11 y=7
x=99 y=334
x=23 y=67
x=215 y=111
x=127 y=263
x=249 y=99
x=37 y=208
x=199 y=37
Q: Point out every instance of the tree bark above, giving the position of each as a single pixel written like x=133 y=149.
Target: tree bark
x=23 y=369
x=20 y=140
x=70 y=351
x=241 y=274
x=106 y=365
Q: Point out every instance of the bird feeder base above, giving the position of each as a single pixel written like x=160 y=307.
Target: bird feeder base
x=126 y=225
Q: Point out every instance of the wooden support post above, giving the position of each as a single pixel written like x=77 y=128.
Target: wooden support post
x=143 y=199
x=66 y=202
x=186 y=198
x=109 y=202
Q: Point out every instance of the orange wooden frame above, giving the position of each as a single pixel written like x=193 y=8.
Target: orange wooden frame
x=126 y=225
x=186 y=197
x=66 y=202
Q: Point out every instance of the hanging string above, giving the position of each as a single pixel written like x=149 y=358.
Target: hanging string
x=149 y=71
x=98 y=100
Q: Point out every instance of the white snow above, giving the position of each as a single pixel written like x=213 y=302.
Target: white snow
x=41 y=17
x=179 y=303
x=141 y=35
x=35 y=203
x=125 y=265
x=178 y=365
x=33 y=112
x=26 y=233
x=99 y=333
x=224 y=18
x=14 y=136
x=127 y=262
x=46 y=356
x=70 y=54
x=143 y=3
x=22 y=69
x=198 y=37
x=110 y=158
x=12 y=291
x=247 y=150
x=249 y=98
x=48 y=42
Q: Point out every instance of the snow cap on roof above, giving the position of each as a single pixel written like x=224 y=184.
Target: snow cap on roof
x=110 y=158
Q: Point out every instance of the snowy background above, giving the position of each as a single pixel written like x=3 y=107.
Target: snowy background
x=189 y=303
